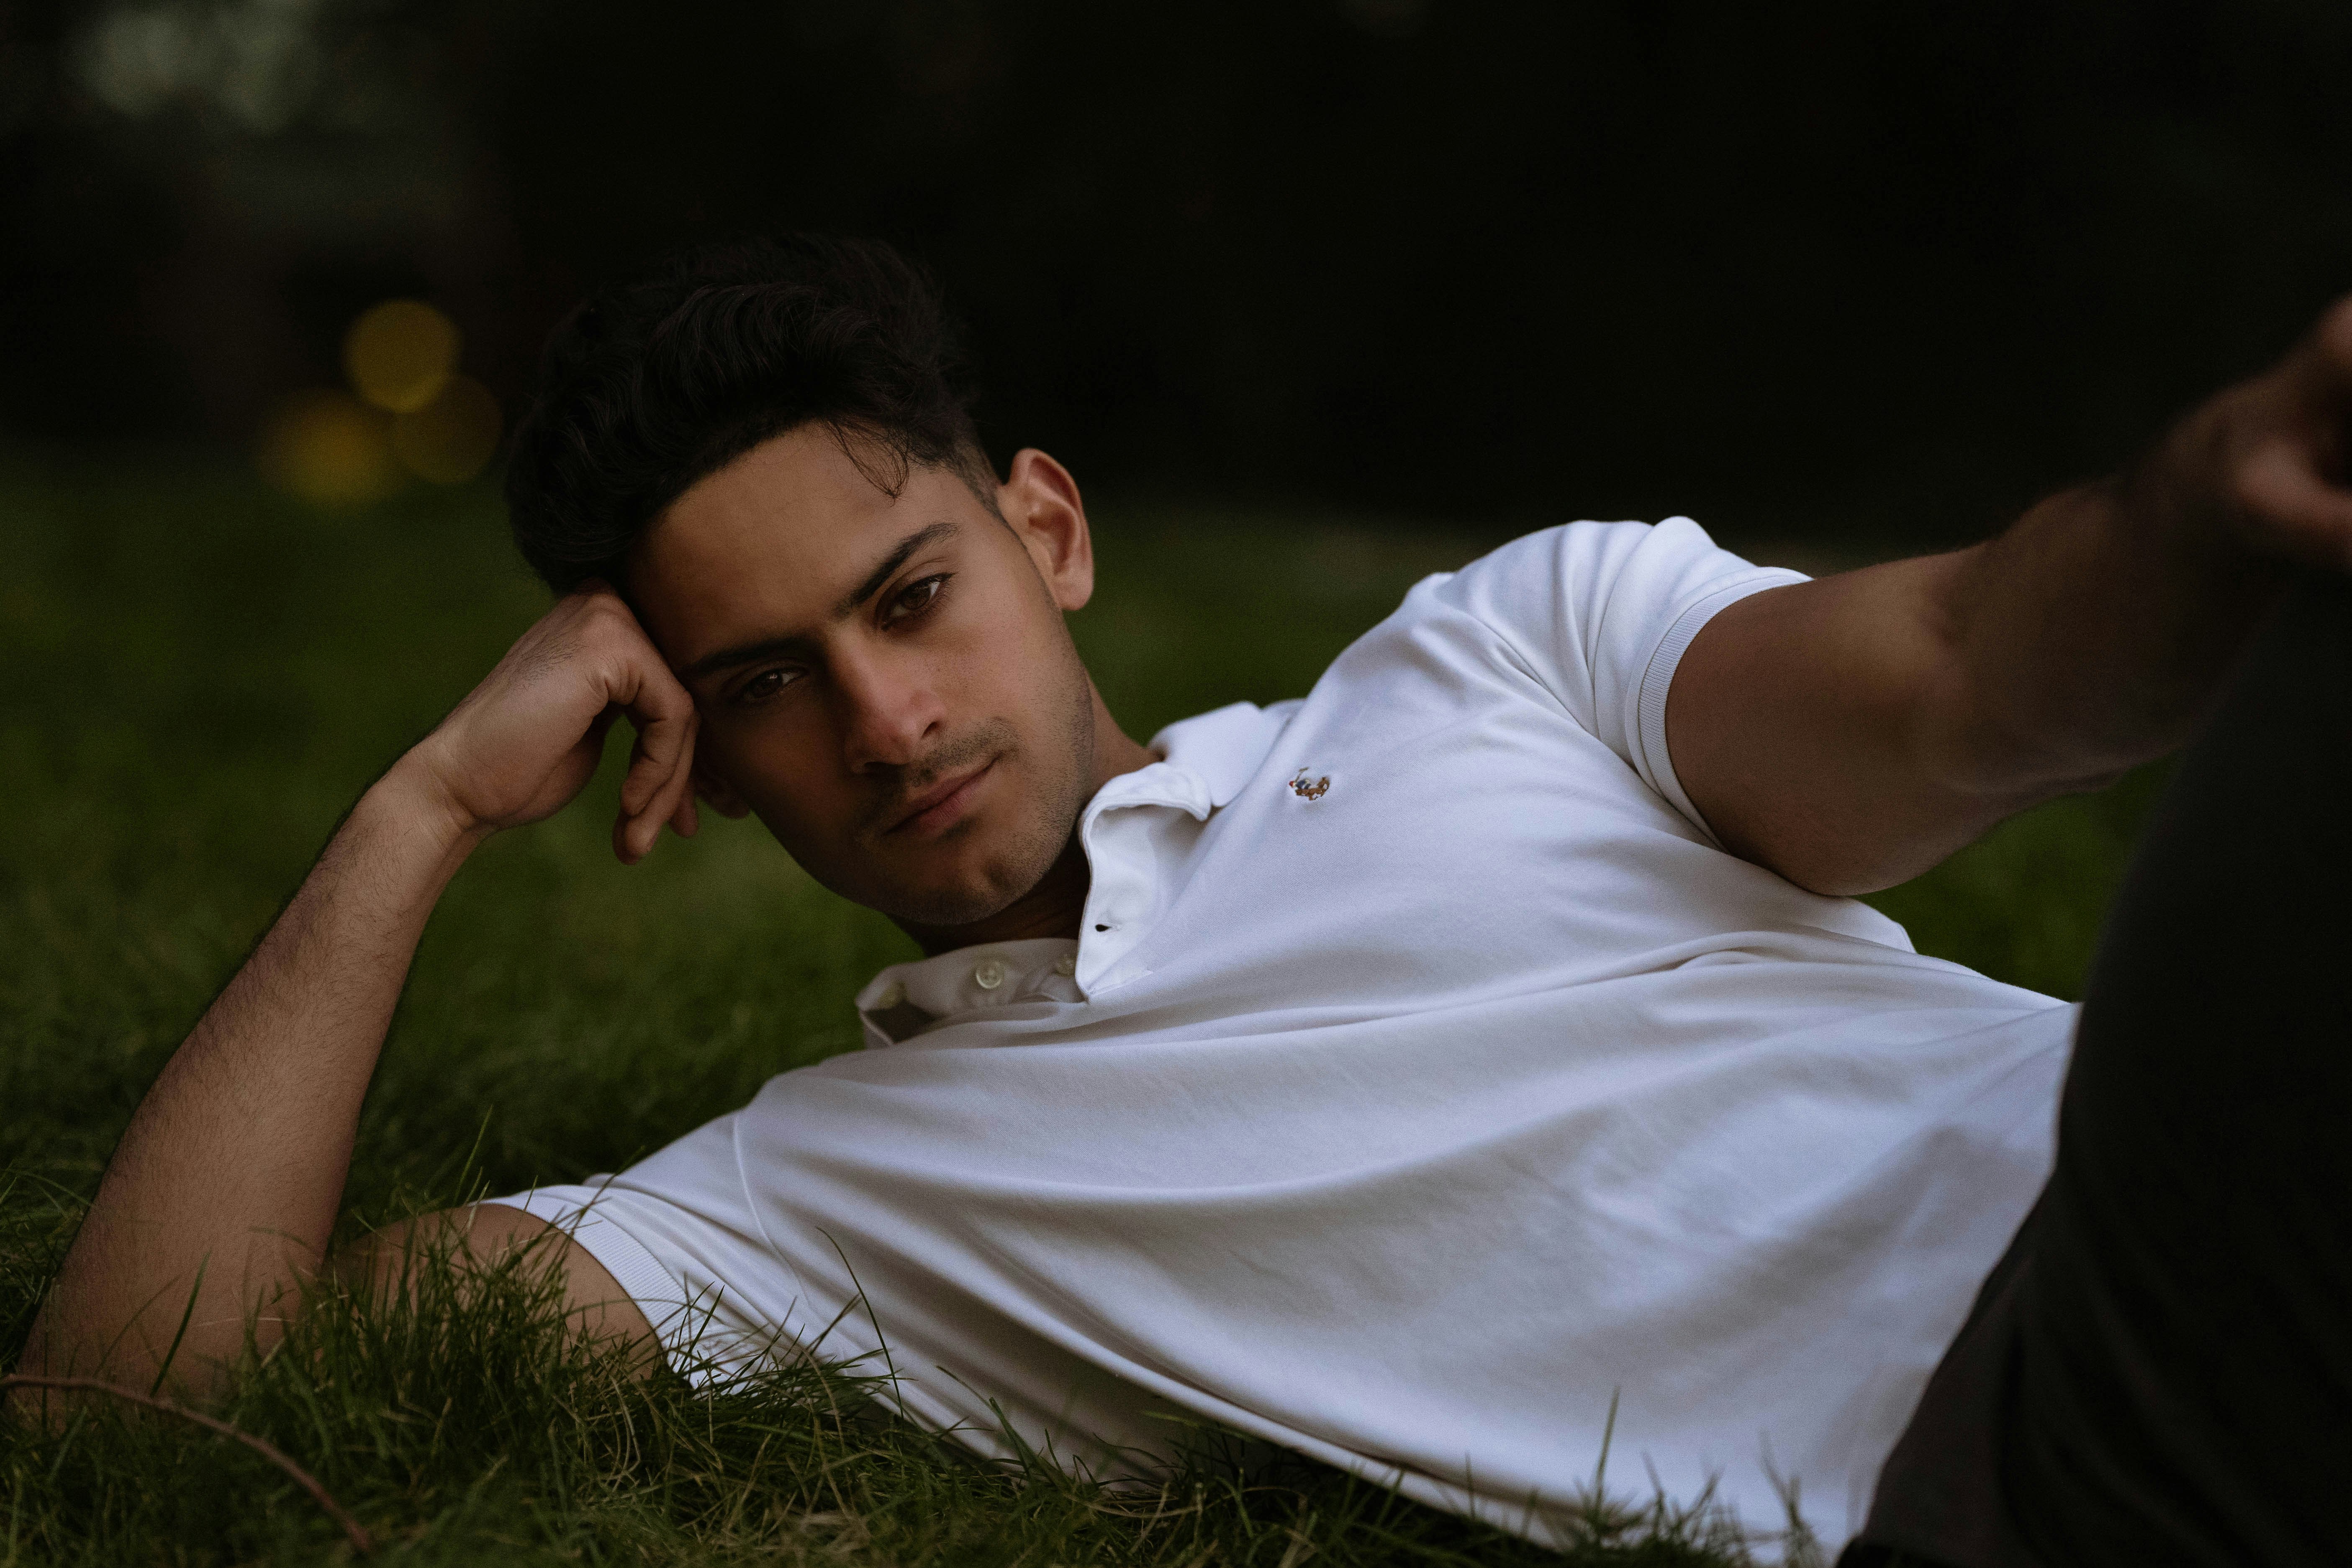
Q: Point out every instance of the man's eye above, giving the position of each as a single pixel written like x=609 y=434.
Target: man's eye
x=915 y=597
x=764 y=685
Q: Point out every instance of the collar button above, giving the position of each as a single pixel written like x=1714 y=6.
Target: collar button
x=988 y=973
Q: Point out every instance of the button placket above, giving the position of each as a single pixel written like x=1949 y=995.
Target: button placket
x=1124 y=902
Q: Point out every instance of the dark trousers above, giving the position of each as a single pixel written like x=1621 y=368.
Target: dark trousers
x=2160 y=1371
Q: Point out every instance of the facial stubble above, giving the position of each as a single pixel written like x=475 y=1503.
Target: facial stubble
x=1043 y=822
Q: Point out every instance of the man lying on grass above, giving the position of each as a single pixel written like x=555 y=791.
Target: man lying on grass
x=1428 y=1073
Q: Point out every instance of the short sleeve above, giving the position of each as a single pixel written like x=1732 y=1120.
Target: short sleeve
x=678 y=1233
x=1600 y=614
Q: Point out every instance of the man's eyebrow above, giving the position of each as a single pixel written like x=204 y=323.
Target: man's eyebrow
x=745 y=653
x=848 y=602
x=742 y=653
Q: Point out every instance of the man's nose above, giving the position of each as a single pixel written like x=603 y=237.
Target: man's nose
x=891 y=711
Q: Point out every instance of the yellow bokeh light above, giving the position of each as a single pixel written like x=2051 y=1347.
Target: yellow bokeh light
x=400 y=355
x=451 y=439
x=328 y=448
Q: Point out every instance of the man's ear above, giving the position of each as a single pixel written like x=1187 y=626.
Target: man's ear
x=1040 y=503
x=717 y=793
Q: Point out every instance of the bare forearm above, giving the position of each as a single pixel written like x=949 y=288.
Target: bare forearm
x=1851 y=733
x=2091 y=637
x=2099 y=630
x=219 y=1200
x=226 y=1183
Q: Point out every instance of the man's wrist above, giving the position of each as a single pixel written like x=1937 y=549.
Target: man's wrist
x=410 y=803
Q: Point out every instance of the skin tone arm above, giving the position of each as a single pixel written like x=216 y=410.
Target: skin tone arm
x=1851 y=733
x=227 y=1183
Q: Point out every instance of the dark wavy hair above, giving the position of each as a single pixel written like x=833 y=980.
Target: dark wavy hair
x=659 y=380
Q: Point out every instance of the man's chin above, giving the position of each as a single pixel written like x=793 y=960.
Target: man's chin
x=986 y=903
x=978 y=894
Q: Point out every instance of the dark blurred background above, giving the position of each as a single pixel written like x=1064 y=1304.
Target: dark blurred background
x=1817 y=267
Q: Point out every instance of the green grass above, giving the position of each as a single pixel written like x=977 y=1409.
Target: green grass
x=200 y=677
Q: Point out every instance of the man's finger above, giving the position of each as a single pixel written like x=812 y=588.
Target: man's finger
x=639 y=827
x=665 y=718
x=675 y=793
x=637 y=683
x=2297 y=511
x=663 y=748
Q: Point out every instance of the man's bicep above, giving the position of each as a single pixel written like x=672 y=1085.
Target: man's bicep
x=492 y=1235
x=1806 y=724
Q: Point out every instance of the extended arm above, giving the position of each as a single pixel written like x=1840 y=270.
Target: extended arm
x=219 y=1200
x=1851 y=732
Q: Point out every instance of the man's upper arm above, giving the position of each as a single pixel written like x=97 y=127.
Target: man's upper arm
x=485 y=1236
x=1823 y=728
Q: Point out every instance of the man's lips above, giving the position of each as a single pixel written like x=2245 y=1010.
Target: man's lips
x=939 y=805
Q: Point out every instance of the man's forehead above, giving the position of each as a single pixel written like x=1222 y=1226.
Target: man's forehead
x=801 y=492
x=773 y=542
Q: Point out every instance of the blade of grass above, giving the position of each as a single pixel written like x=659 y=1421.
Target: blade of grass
x=361 y=1542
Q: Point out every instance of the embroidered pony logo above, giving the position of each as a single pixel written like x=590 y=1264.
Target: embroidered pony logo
x=1305 y=788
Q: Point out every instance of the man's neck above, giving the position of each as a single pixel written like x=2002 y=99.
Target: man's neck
x=1057 y=903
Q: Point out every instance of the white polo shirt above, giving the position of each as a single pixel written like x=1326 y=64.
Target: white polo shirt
x=1424 y=1083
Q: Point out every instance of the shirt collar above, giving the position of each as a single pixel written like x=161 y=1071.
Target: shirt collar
x=906 y=999
x=1222 y=748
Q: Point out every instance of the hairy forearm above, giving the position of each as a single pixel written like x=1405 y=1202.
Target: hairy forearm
x=218 y=1202
x=2091 y=637
x=1851 y=732
x=220 y=1197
